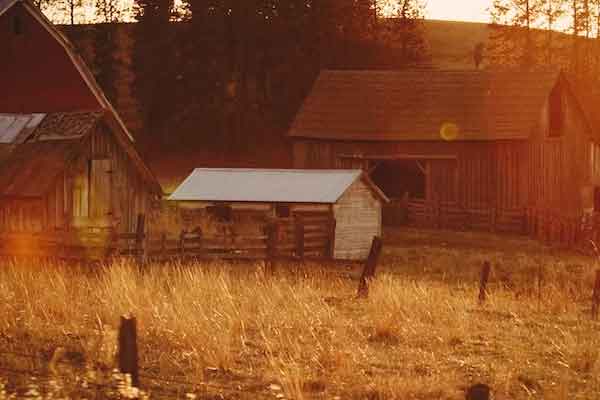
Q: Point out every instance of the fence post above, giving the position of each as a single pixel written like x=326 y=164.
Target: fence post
x=596 y=296
x=272 y=237
x=299 y=233
x=494 y=219
x=485 y=276
x=438 y=214
x=182 y=243
x=163 y=245
x=332 y=227
x=128 y=351
x=370 y=266
x=140 y=236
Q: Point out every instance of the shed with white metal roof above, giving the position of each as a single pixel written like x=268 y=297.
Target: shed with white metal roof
x=348 y=196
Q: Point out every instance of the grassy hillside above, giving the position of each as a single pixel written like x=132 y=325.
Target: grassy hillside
x=451 y=43
x=232 y=332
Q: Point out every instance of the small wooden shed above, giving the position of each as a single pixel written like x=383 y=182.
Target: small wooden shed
x=246 y=198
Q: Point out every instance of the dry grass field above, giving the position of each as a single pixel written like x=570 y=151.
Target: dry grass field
x=223 y=331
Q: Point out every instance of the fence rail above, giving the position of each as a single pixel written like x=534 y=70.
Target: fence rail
x=454 y=216
x=549 y=226
x=310 y=236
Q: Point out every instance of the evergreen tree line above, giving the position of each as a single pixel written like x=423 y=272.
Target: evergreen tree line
x=524 y=34
x=235 y=72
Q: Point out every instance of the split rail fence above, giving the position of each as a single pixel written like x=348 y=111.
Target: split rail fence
x=551 y=227
x=303 y=236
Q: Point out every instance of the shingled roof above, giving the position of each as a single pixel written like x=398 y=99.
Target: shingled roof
x=416 y=105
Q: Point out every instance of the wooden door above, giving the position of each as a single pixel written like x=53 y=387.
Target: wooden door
x=101 y=190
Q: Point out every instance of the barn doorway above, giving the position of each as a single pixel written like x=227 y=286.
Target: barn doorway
x=400 y=179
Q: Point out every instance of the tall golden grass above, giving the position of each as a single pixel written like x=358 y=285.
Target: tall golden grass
x=419 y=335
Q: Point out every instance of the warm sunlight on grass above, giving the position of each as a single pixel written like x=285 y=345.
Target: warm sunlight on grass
x=420 y=335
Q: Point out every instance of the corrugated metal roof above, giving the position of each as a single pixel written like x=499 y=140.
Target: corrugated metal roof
x=420 y=105
x=265 y=185
x=15 y=128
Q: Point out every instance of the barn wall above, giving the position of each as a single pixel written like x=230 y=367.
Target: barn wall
x=561 y=167
x=100 y=189
x=129 y=194
x=23 y=215
x=481 y=173
x=39 y=75
x=358 y=219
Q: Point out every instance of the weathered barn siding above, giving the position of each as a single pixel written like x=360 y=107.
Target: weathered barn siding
x=561 y=173
x=471 y=173
x=100 y=190
x=358 y=220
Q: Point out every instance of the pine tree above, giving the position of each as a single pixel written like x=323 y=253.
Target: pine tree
x=108 y=11
x=512 y=41
x=551 y=11
x=155 y=64
x=409 y=31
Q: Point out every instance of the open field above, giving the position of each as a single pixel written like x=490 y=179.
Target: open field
x=230 y=331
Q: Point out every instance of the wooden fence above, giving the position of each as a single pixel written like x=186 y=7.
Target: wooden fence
x=549 y=226
x=455 y=217
x=303 y=236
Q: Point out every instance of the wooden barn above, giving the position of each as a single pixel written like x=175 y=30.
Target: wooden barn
x=480 y=140
x=246 y=199
x=69 y=170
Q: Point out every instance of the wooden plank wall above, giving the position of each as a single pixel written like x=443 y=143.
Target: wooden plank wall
x=99 y=187
x=483 y=173
x=129 y=195
x=358 y=220
x=561 y=174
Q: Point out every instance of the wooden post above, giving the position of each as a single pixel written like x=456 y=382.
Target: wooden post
x=438 y=214
x=596 y=296
x=182 y=243
x=370 y=266
x=299 y=233
x=163 y=245
x=331 y=249
x=140 y=252
x=478 y=392
x=200 y=242
x=128 y=351
x=272 y=237
x=539 y=282
x=485 y=276
x=494 y=219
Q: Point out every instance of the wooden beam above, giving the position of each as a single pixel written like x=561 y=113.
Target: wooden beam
x=421 y=167
x=400 y=157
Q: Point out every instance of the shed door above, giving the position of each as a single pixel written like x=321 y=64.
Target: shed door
x=101 y=184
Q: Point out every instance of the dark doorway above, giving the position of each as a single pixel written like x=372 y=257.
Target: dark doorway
x=400 y=177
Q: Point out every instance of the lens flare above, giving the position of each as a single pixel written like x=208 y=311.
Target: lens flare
x=449 y=131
